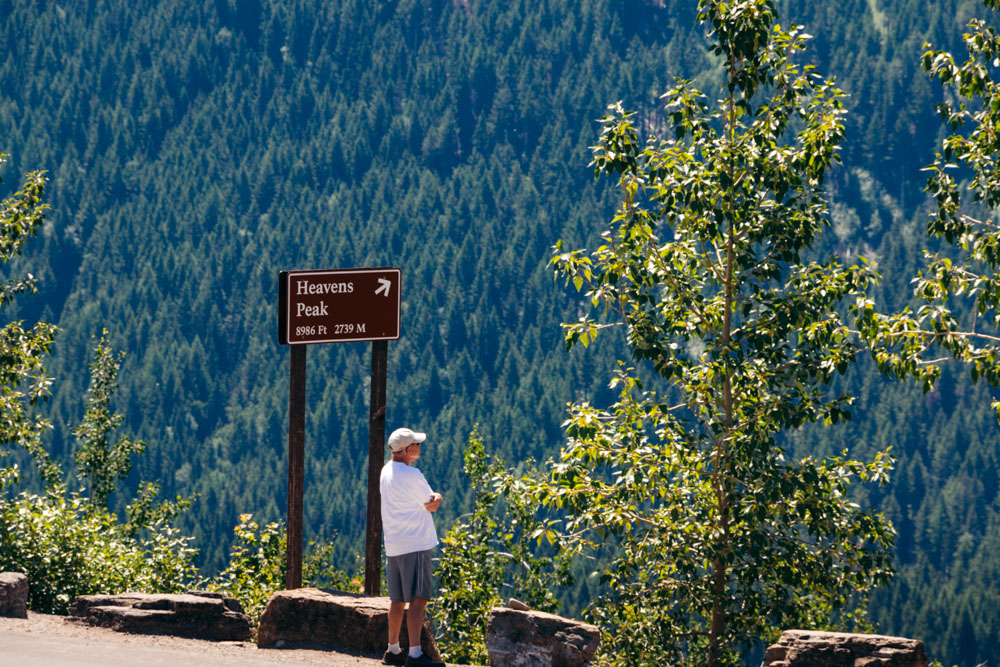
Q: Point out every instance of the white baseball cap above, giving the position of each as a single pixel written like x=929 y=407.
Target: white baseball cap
x=402 y=438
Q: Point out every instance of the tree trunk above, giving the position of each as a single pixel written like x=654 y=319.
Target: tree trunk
x=722 y=497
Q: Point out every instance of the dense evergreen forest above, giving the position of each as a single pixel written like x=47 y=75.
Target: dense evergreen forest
x=194 y=150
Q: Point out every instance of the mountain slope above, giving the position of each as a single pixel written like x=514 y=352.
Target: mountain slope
x=196 y=149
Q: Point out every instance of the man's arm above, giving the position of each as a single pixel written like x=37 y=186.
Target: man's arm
x=435 y=502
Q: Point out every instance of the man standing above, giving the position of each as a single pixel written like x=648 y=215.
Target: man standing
x=407 y=503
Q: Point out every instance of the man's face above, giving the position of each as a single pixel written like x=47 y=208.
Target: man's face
x=412 y=452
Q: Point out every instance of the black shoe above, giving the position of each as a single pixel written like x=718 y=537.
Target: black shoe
x=423 y=661
x=391 y=658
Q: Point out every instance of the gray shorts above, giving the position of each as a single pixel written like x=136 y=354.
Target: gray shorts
x=409 y=576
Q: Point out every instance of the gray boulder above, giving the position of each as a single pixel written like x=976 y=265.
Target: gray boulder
x=196 y=614
x=518 y=638
x=310 y=616
x=13 y=595
x=804 y=648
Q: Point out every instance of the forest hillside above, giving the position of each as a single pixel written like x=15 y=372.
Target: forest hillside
x=194 y=150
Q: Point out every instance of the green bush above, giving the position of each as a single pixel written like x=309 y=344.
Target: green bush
x=67 y=548
x=488 y=555
x=70 y=544
x=258 y=566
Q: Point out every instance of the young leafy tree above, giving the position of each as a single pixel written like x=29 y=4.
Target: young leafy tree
x=104 y=463
x=100 y=460
x=964 y=217
x=22 y=350
x=720 y=538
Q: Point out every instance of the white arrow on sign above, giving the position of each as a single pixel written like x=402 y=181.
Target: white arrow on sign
x=383 y=287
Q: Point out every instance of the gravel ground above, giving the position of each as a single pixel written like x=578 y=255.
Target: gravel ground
x=42 y=640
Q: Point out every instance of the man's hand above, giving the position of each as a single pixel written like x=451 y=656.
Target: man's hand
x=434 y=503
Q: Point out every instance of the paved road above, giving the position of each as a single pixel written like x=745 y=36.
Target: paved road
x=48 y=641
x=34 y=650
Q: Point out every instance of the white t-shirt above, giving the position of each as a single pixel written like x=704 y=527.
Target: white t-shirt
x=406 y=524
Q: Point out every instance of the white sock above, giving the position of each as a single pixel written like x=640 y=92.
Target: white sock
x=415 y=652
x=394 y=648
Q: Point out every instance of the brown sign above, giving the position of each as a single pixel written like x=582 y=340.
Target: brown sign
x=338 y=305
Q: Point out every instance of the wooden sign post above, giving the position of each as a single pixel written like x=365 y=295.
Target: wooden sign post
x=296 y=464
x=376 y=457
x=334 y=306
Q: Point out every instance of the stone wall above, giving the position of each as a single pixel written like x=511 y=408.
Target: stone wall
x=13 y=595
x=524 y=638
x=312 y=616
x=197 y=614
x=805 y=648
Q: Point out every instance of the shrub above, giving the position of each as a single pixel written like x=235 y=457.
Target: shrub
x=67 y=548
x=258 y=566
x=488 y=554
x=70 y=544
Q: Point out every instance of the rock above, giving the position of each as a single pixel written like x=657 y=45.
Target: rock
x=804 y=648
x=13 y=595
x=307 y=616
x=514 y=603
x=232 y=604
x=533 y=638
x=196 y=614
